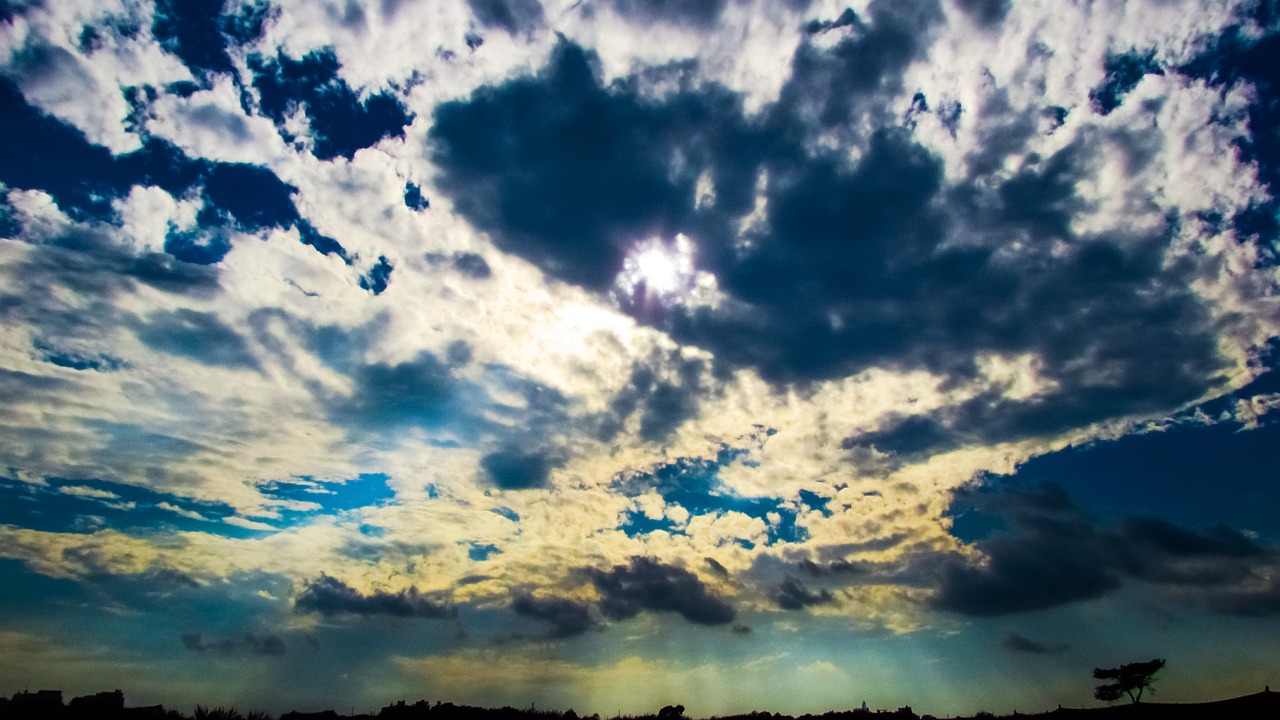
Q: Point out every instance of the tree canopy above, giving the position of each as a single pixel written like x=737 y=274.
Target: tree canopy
x=1131 y=679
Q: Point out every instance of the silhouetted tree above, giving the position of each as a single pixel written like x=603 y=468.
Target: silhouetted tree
x=671 y=712
x=1129 y=679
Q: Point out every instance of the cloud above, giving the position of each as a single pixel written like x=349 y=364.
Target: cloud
x=416 y=392
x=1014 y=642
x=199 y=336
x=841 y=265
x=985 y=12
x=793 y=595
x=662 y=394
x=270 y=644
x=697 y=13
x=646 y=584
x=329 y=596
x=566 y=617
x=511 y=16
x=515 y=469
x=1050 y=554
x=1260 y=598
x=602 y=187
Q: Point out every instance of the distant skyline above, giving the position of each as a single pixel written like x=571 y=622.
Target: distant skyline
x=609 y=354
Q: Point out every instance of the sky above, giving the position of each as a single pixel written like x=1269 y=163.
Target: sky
x=608 y=354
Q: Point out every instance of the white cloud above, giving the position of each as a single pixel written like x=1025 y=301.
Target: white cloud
x=88 y=492
x=212 y=124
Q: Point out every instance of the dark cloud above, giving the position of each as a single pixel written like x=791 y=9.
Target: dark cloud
x=1158 y=551
x=373 y=550
x=458 y=354
x=513 y=16
x=1262 y=599
x=569 y=181
x=663 y=392
x=988 y=13
x=514 y=468
x=1157 y=345
x=847 y=270
x=1052 y=556
x=793 y=595
x=330 y=596
x=269 y=644
x=9 y=9
x=848 y=18
x=1042 y=551
x=567 y=618
x=837 y=567
x=646 y=584
x=700 y=13
x=907 y=436
x=470 y=264
x=69 y=288
x=1019 y=644
x=514 y=422
x=715 y=567
x=162 y=272
x=197 y=336
x=418 y=392
x=863 y=70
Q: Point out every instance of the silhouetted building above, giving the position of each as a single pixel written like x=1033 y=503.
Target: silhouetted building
x=324 y=715
x=103 y=704
x=403 y=711
x=41 y=701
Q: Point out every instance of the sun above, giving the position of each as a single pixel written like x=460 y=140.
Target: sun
x=659 y=268
x=659 y=271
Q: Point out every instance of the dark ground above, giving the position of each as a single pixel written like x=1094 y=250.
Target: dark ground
x=48 y=705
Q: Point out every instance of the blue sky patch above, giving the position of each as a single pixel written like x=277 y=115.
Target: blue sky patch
x=82 y=177
x=1124 y=72
x=635 y=523
x=197 y=246
x=413 y=198
x=84 y=506
x=507 y=513
x=365 y=490
x=341 y=122
x=1156 y=472
x=694 y=484
x=79 y=361
x=375 y=281
x=479 y=552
